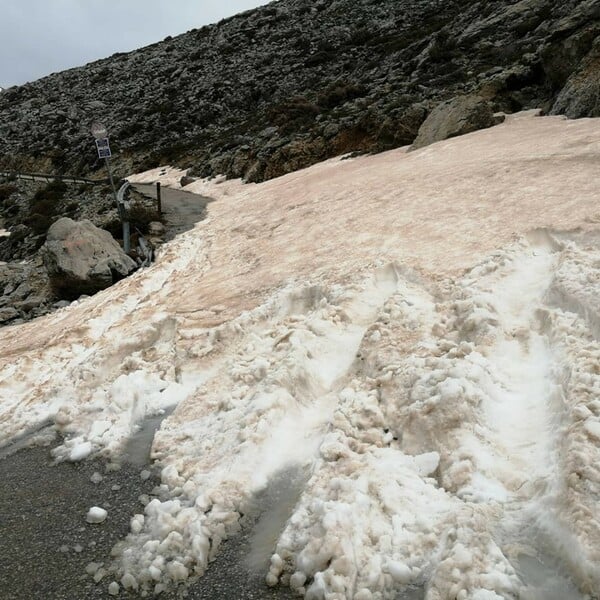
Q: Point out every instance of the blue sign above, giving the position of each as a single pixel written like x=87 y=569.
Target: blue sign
x=103 y=148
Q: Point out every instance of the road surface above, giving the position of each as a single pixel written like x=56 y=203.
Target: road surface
x=182 y=210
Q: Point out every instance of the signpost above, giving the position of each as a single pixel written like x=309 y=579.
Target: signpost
x=100 y=133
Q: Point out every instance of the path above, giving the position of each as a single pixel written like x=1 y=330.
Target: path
x=182 y=210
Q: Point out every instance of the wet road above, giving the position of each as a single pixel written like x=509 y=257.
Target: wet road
x=46 y=544
x=180 y=209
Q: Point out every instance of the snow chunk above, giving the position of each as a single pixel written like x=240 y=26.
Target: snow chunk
x=80 y=451
x=113 y=588
x=399 y=571
x=96 y=478
x=96 y=515
x=593 y=428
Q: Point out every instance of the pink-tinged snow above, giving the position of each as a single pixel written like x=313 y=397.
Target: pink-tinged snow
x=416 y=334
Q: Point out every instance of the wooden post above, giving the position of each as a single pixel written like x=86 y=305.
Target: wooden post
x=158 y=197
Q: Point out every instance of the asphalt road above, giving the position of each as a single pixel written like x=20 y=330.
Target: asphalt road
x=181 y=209
x=46 y=544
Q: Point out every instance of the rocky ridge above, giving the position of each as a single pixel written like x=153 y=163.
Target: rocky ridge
x=297 y=81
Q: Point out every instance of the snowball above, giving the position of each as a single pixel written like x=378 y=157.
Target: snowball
x=485 y=595
x=137 y=523
x=113 y=588
x=297 y=580
x=100 y=573
x=96 y=478
x=427 y=463
x=177 y=571
x=129 y=582
x=462 y=557
x=80 y=451
x=92 y=568
x=96 y=515
x=399 y=571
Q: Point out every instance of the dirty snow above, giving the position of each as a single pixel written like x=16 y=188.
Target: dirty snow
x=416 y=334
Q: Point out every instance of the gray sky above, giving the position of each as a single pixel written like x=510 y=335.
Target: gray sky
x=39 y=37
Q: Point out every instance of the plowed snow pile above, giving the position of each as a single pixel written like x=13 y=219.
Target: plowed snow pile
x=415 y=334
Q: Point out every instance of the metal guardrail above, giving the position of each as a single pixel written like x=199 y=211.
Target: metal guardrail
x=124 y=189
x=49 y=178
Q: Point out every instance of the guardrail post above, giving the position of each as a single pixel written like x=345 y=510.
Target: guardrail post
x=123 y=207
x=126 y=237
x=158 y=198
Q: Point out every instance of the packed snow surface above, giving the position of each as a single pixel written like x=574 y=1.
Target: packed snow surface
x=414 y=335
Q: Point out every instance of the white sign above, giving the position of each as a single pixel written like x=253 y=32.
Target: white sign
x=99 y=130
x=103 y=148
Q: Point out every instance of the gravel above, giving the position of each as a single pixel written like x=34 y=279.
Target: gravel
x=47 y=545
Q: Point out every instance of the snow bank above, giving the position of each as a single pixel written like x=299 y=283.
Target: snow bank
x=400 y=329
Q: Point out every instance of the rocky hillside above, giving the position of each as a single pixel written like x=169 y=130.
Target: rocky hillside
x=297 y=81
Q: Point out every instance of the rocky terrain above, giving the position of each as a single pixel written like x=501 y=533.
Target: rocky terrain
x=276 y=89
x=28 y=210
x=297 y=81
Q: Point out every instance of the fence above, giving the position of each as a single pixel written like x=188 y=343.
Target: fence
x=49 y=178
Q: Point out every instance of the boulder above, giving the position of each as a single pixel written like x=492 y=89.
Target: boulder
x=82 y=259
x=186 y=180
x=580 y=96
x=458 y=116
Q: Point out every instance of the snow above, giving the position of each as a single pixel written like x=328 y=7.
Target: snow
x=113 y=588
x=96 y=478
x=96 y=514
x=415 y=334
x=79 y=450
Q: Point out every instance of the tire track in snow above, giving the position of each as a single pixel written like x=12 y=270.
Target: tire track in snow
x=521 y=408
x=266 y=406
x=520 y=462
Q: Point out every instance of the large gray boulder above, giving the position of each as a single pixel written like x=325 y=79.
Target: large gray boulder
x=82 y=259
x=458 y=116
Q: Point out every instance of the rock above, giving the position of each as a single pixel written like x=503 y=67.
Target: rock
x=348 y=77
x=30 y=303
x=61 y=304
x=22 y=291
x=581 y=95
x=82 y=259
x=185 y=180
x=8 y=313
x=156 y=228
x=458 y=116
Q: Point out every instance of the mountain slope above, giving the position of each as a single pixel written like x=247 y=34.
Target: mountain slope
x=286 y=85
x=413 y=335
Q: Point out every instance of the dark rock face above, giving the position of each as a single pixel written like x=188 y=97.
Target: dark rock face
x=458 y=116
x=82 y=259
x=298 y=81
x=581 y=95
x=24 y=291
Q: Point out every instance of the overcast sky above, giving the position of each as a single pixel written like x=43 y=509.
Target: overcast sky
x=39 y=37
